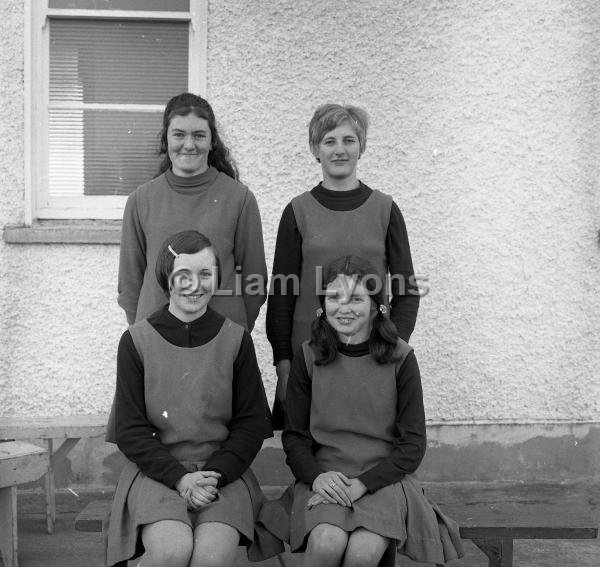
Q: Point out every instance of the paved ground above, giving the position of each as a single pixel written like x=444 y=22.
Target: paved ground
x=68 y=548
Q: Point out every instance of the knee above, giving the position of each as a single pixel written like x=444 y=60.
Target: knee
x=364 y=552
x=211 y=556
x=173 y=554
x=327 y=542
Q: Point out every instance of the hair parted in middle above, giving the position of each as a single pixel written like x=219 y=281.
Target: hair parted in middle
x=328 y=117
x=182 y=105
x=184 y=242
x=383 y=340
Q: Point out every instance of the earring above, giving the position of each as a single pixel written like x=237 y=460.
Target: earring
x=318 y=159
x=383 y=309
x=319 y=312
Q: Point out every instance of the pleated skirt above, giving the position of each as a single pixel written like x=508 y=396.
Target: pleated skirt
x=147 y=501
x=383 y=513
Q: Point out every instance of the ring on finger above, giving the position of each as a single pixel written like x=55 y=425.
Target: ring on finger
x=332 y=483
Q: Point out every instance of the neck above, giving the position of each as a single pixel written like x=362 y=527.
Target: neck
x=340 y=184
x=355 y=339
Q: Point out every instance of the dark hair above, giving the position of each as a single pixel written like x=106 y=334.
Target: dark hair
x=182 y=105
x=184 y=242
x=328 y=117
x=383 y=340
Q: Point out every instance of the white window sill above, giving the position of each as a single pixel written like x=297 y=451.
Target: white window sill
x=65 y=232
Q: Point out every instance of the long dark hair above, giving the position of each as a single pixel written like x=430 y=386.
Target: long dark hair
x=383 y=340
x=181 y=105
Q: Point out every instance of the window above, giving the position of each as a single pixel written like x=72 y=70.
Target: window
x=99 y=75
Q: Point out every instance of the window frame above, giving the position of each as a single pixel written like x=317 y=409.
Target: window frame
x=38 y=203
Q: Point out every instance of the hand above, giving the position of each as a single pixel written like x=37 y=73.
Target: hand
x=200 y=496
x=357 y=489
x=282 y=369
x=334 y=487
x=190 y=481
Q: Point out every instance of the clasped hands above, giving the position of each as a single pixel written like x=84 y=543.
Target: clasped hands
x=198 y=488
x=336 y=488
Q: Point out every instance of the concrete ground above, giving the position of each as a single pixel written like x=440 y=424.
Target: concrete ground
x=68 y=548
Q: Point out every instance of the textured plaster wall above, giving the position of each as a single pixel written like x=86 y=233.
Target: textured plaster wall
x=484 y=129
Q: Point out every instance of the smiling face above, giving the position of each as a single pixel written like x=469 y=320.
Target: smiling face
x=349 y=309
x=189 y=306
x=338 y=153
x=189 y=142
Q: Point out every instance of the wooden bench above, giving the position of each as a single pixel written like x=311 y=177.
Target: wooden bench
x=19 y=463
x=48 y=429
x=492 y=526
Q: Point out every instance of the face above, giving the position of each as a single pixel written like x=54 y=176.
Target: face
x=193 y=305
x=338 y=152
x=188 y=141
x=349 y=309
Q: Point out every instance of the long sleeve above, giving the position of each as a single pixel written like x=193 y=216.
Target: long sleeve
x=249 y=253
x=410 y=443
x=250 y=423
x=405 y=300
x=132 y=260
x=287 y=265
x=136 y=437
x=296 y=438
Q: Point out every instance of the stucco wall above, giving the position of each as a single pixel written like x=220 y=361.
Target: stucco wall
x=484 y=129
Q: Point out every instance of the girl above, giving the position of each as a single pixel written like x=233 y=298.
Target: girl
x=341 y=215
x=355 y=433
x=197 y=188
x=190 y=415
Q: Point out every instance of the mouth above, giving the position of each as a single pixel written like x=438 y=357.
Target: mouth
x=194 y=298
x=345 y=320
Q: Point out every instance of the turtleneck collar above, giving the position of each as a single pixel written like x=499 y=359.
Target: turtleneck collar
x=191 y=184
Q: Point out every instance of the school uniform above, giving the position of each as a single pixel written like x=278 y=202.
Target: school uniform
x=189 y=397
x=367 y=421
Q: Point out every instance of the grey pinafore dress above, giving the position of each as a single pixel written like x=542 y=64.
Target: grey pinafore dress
x=188 y=395
x=328 y=234
x=352 y=420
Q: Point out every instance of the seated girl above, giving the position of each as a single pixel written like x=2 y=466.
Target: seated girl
x=355 y=433
x=191 y=414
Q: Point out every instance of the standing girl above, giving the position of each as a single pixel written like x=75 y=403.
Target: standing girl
x=356 y=432
x=341 y=215
x=197 y=188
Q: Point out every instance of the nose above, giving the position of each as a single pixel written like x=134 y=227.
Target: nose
x=188 y=142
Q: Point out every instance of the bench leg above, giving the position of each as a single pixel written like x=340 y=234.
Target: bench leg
x=50 y=491
x=8 y=526
x=499 y=551
x=54 y=458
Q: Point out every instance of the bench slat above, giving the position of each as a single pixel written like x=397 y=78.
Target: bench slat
x=75 y=426
x=569 y=519
x=513 y=520
x=21 y=462
x=93 y=516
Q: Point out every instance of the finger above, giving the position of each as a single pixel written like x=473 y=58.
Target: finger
x=344 y=478
x=340 y=492
x=333 y=497
x=206 y=481
x=210 y=496
x=213 y=474
x=200 y=500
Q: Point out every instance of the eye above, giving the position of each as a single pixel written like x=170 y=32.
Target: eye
x=200 y=136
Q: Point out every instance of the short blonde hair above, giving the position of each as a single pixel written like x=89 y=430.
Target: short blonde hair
x=329 y=116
